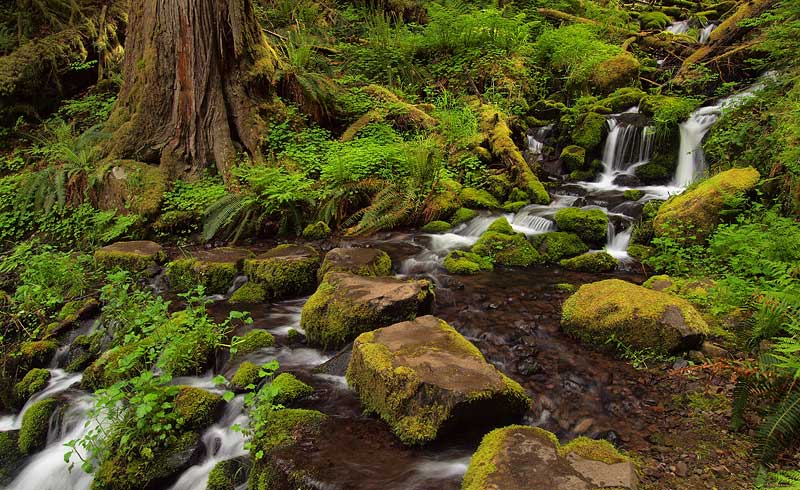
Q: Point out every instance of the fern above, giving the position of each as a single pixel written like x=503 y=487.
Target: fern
x=781 y=428
x=785 y=480
x=229 y=215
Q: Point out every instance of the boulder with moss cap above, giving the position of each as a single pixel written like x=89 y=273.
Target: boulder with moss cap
x=638 y=317
x=289 y=389
x=463 y=215
x=33 y=381
x=368 y=262
x=35 y=425
x=213 y=269
x=317 y=231
x=557 y=245
x=346 y=305
x=478 y=198
x=10 y=456
x=285 y=271
x=591 y=225
x=591 y=262
x=525 y=458
x=424 y=379
x=697 y=211
x=466 y=263
x=137 y=256
x=502 y=245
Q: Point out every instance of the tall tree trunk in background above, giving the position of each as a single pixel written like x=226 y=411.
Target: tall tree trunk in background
x=194 y=73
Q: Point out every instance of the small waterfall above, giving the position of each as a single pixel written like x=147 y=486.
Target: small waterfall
x=705 y=33
x=536 y=138
x=618 y=243
x=533 y=220
x=238 y=282
x=60 y=381
x=679 y=27
x=627 y=146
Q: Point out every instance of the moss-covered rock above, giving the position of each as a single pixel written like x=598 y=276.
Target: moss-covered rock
x=37 y=354
x=254 y=340
x=622 y=99
x=652 y=173
x=523 y=458
x=345 y=305
x=619 y=71
x=514 y=206
x=136 y=256
x=10 y=456
x=640 y=252
x=317 y=231
x=478 y=198
x=463 y=215
x=436 y=227
x=198 y=408
x=445 y=200
x=135 y=187
x=213 y=269
x=697 y=211
x=502 y=245
x=246 y=375
x=249 y=293
x=289 y=389
x=557 y=245
x=466 y=263
x=589 y=132
x=591 y=225
x=34 y=381
x=105 y=371
x=636 y=316
x=368 y=262
x=654 y=20
x=420 y=374
x=227 y=475
x=35 y=425
x=285 y=271
x=591 y=262
x=574 y=157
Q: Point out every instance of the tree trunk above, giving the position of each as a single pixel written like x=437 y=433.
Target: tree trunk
x=195 y=71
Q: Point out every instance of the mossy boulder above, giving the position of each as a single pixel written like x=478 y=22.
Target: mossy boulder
x=285 y=271
x=254 y=340
x=591 y=225
x=463 y=215
x=289 y=389
x=640 y=252
x=198 y=408
x=445 y=202
x=638 y=317
x=514 y=206
x=589 y=132
x=574 y=157
x=622 y=99
x=10 y=456
x=591 y=262
x=37 y=353
x=616 y=72
x=697 y=211
x=35 y=425
x=131 y=186
x=478 y=198
x=524 y=458
x=368 y=262
x=247 y=374
x=105 y=371
x=213 y=269
x=227 y=475
x=503 y=246
x=654 y=21
x=249 y=293
x=346 y=305
x=137 y=256
x=424 y=379
x=557 y=245
x=652 y=173
x=317 y=231
x=466 y=263
x=34 y=381
x=436 y=227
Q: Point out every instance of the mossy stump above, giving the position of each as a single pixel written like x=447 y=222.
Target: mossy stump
x=424 y=379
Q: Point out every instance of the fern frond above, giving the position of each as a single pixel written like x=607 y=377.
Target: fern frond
x=781 y=428
x=220 y=215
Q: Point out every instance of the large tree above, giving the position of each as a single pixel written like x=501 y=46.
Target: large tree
x=195 y=71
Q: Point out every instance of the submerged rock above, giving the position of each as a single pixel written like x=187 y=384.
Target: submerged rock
x=136 y=256
x=214 y=269
x=346 y=305
x=360 y=261
x=637 y=317
x=285 y=271
x=526 y=458
x=423 y=378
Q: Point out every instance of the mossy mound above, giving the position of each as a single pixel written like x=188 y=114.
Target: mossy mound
x=697 y=211
x=514 y=206
x=105 y=371
x=574 y=157
x=34 y=381
x=522 y=458
x=134 y=186
x=622 y=99
x=619 y=71
x=640 y=252
x=317 y=231
x=227 y=475
x=591 y=225
x=503 y=246
x=557 y=245
x=213 y=269
x=466 y=263
x=591 y=262
x=346 y=305
x=285 y=271
x=636 y=316
x=136 y=256
x=463 y=215
x=478 y=198
x=249 y=293
x=654 y=21
x=589 y=132
x=368 y=262
x=445 y=202
x=289 y=389
x=421 y=374
x=199 y=408
x=35 y=425
x=245 y=376
x=254 y=340
x=37 y=354
x=436 y=227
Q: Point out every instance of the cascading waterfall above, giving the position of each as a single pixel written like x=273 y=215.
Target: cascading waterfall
x=627 y=146
x=679 y=27
x=536 y=140
x=705 y=33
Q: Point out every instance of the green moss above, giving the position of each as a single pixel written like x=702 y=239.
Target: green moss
x=10 y=457
x=557 y=245
x=245 y=376
x=253 y=341
x=104 y=372
x=633 y=194
x=574 y=157
x=281 y=427
x=437 y=227
x=595 y=450
x=565 y=287
x=462 y=215
x=136 y=257
x=513 y=207
x=654 y=20
x=619 y=71
x=289 y=389
x=652 y=173
x=35 y=424
x=501 y=225
x=667 y=111
x=466 y=263
x=499 y=185
x=517 y=195
x=366 y=262
x=189 y=355
x=591 y=262
x=34 y=381
x=37 y=353
x=445 y=201
x=591 y=225
x=642 y=233
x=285 y=271
x=478 y=198
x=622 y=99
x=589 y=132
x=186 y=274
x=640 y=252
x=199 y=408
x=317 y=231
x=249 y=293
x=225 y=475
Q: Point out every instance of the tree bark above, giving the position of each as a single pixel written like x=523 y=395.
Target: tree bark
x=195 y=71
